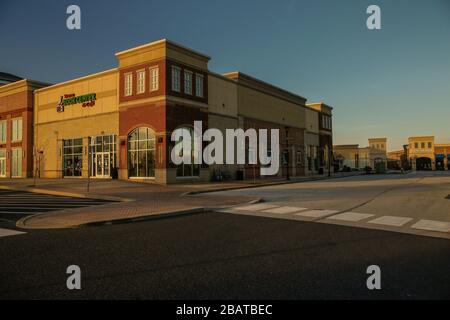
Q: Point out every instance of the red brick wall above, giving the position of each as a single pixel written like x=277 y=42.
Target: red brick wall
x=181 y=94
x=147 y=94
x=13 y=106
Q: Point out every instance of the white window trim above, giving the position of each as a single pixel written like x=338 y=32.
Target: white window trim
x=152 y=89
x=126 y=93
x=185 y=82
x=21 y=156
x=19 y=132
x=197 y=87
x=4 y=124
x=173 y=78
x=138 y=73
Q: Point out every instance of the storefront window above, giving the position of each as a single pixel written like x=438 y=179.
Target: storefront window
x=72 y=157
x=189 y=170
x=141 y=153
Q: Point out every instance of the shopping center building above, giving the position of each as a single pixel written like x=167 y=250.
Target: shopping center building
x=118 y=123
x=16 y=126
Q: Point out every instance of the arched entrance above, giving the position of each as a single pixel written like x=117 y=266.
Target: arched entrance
x=423 y=163
x=380 y=165
x=141 y=153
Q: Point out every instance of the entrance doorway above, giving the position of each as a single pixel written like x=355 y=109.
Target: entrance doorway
x=102 y=165
x=423 y=163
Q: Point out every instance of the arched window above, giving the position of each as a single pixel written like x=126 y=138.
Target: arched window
x=189 y=170
x=141 y=153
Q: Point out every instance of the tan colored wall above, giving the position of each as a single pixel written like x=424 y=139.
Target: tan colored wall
x=51 y=127
x=311 y=121
x=50 y=138
x=223 y=96
x=258 y=105
x=104 y=85
x=222 y=123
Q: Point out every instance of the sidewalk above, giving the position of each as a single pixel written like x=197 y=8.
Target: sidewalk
x=134 y=200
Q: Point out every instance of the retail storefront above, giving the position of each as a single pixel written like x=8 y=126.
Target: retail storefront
x=118 y=123
x=76 y=127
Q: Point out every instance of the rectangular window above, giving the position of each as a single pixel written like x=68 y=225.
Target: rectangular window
x=187 y=82
x=154 y=79
x=16 y=163
x=17 y=129
x=176 y=75
x=199 y=85
x=416 y=145
x=128 y=84
x=3 y=126
x=141 y=81
x=2 y=162
x=429 y=145
x=422 y=145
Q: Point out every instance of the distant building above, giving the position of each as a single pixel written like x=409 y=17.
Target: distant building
x=422 y=153
x=356 y=158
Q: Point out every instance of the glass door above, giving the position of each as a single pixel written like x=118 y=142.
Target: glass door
x=102 y=165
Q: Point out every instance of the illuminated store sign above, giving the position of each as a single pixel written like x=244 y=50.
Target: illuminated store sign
x=87 y=100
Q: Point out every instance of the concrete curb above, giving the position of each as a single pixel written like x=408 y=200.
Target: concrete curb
x=21 y=223
x=67 y=194
x=159 y=216
x=163 y=215
x=189 y=193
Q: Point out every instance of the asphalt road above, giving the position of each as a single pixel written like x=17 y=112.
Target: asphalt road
x=223 y=256
x=416 y=203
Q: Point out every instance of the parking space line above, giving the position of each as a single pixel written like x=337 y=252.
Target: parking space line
x=315 y=213
x=391 y=221
x=8 y=232
x=432 y=225
x=284 y=210
x=256 y=207
x=351 y=216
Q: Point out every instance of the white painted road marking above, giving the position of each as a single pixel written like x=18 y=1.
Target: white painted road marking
x=284 y=210
x=256 y=207
x=431 y=225
x=7 y=232
x=391 y=221
x=315 y=213
x=351 y=216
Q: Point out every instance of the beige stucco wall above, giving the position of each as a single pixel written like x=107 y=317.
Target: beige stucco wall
x=222 y=96
x=311 y=121
x=261 y=106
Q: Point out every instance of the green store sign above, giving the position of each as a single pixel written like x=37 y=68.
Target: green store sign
x=80 y=99
x=87 y=100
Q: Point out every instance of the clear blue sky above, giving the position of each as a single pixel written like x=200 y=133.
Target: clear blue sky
x=394 y=82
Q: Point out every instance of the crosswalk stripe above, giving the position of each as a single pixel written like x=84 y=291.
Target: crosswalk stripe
x=8 y=232
x=256 y=207
x=351 y=216
x=391 y=221
x=432 y=225
x=284 y=210
x=315 y=213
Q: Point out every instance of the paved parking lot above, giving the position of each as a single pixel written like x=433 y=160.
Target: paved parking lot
x=15 y=205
